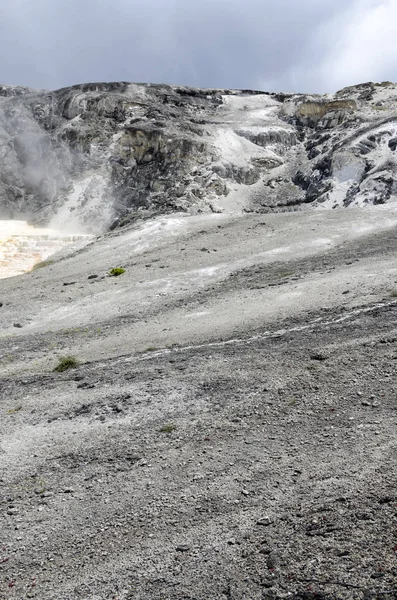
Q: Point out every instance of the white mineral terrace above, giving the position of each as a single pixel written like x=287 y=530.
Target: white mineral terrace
x=22 y=246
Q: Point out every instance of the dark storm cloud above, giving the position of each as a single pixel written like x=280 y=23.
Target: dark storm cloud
x=277 y=44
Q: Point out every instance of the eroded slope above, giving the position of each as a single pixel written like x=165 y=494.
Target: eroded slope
x=96 y=155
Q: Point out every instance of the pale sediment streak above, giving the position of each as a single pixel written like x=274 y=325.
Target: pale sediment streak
x=317 y=323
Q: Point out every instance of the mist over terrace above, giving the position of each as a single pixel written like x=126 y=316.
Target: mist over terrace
x=22 y=246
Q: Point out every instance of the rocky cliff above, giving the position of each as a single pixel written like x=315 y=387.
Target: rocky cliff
x=94 y=156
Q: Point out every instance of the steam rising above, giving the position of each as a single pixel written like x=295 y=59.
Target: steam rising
x=22 y=246
x=39 y=170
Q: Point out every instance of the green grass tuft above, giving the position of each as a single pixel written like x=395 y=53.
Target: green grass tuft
x=116 y=271
x=65 y=363
x=169 y=428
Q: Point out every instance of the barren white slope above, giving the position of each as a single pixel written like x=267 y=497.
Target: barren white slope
x=170 y=261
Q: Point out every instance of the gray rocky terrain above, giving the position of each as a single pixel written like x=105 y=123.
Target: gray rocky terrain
x=228 y=431
x=96 y=155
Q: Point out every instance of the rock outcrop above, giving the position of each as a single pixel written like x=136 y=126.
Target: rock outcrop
x=94 y=156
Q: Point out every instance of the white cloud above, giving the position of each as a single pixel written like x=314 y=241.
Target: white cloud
x=367 y=49
x=278 y=45
x=358 y=45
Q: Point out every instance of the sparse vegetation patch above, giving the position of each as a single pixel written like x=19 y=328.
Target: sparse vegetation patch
x=65 y=363
x=116 y=271
x=168 y=428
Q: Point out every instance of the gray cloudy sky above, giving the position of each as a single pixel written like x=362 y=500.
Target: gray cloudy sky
x=290 y=45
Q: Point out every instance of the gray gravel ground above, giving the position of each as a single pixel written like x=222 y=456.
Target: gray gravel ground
x=246 y=452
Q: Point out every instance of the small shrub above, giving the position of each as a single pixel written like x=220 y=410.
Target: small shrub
x=169 y=428
x=151 y=349
x=43 y=263
x=116 y=271
x=393 y=294
x=65 y=363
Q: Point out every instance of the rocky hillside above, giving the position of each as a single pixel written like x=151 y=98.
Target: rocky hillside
x=229 y=429
x=93 y=156
x=199 y=406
